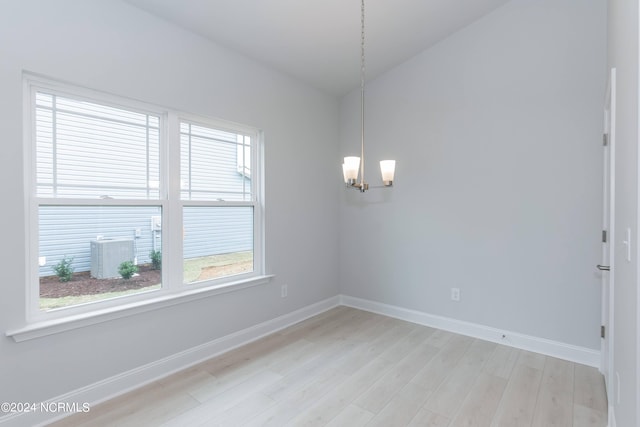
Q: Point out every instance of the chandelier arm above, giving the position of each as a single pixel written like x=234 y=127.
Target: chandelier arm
x=361 y=187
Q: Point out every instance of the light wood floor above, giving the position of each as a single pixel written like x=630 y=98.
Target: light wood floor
x=352 y=368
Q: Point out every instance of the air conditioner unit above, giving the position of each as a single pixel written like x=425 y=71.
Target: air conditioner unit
x=107 y=255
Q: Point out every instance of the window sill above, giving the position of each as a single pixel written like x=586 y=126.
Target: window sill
x=50 y=327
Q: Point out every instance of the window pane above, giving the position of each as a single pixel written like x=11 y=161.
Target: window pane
x=214 y=164
x=82 y=250
x=218 y=242
x=90 y=150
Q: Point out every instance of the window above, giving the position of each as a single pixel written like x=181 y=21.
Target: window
x=218 y=231
x=130 y=201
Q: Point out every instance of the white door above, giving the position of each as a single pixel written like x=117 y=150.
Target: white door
x=606 y=267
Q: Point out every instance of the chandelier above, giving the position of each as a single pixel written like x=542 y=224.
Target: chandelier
x=352 y=170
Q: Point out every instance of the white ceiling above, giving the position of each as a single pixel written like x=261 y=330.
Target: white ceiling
x=319 y=41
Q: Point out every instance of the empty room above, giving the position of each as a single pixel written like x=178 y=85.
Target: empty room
x=338 y=212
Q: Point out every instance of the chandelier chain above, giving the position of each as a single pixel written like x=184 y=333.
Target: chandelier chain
x=362 y=45
x=362 y=91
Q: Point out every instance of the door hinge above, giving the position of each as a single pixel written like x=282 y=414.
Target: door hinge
x=605 y=139
x=604 y=236
x=602 y=331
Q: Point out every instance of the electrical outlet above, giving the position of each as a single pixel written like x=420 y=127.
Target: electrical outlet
x=283 y=291
x=455 y=294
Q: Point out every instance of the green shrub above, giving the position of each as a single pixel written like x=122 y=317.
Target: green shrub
x=64 y=269
x=127 y=269
x=156 y=259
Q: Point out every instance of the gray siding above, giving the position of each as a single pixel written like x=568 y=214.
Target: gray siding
x=212 y=162
x=83 y=149
x=68 y=231
x=212 y=231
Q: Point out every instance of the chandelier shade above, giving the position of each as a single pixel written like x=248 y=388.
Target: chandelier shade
x=388 y=170
x=350 y=168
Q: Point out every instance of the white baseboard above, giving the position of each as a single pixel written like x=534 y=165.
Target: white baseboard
x=130 y=380
x=544 y=346
x=612 y=417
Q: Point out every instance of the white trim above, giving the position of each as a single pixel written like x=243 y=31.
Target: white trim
x=582 y=355
x=637 y=233
x=40 y=82
x=608 y=291
x=612 y=416
x=54 y=326
x=138 y=377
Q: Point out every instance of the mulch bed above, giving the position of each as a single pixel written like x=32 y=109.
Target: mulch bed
x=83 y=284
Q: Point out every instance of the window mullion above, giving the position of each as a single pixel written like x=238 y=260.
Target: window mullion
x=54 y=141
x=32 y=232
x=147 y=155
x=189 y=158
x=257 y=190
x=172 y=207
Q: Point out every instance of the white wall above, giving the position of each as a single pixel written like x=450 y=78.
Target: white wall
x=497 y=135
x=110 y=46
x=623 y=33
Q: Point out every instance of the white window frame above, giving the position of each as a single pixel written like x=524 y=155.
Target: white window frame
x=241 y=168
x=256 y=185
x=173 y=291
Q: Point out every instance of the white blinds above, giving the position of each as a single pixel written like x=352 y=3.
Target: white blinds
x=88 y=150
x=215 y=164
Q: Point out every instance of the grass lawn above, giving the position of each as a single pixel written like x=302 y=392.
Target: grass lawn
x=193 y=267
x=51 y=303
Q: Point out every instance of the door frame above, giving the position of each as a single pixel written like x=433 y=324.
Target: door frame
x=608 y=209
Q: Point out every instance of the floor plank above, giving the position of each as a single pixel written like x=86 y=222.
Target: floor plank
x=380 y=393
x=441 y=366
x=447 y=398
x=554 y=406
x=347 y=367
x=426 y=418
x=329 y=406
x=589 y=388
x=502 y=361
x=401 y=409
x=482 y=402
x=519 y=400
x=352 y=416
x=588 y=417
